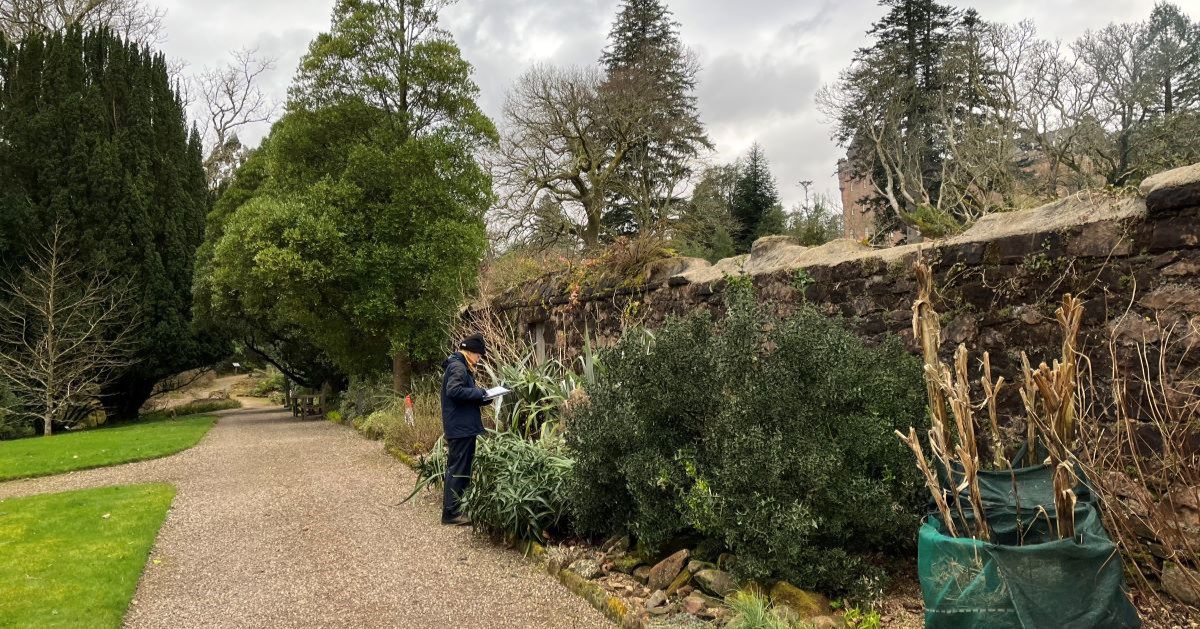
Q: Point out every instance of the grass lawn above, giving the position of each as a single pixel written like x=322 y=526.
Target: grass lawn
x=74 y=559
x=43 y=456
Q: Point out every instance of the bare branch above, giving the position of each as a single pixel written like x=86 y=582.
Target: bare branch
x=62 y=334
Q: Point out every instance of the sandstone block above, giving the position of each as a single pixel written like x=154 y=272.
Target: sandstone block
x=665 y=571
x=1173 y=189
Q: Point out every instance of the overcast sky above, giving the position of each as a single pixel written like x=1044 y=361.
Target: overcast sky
x=762 y=60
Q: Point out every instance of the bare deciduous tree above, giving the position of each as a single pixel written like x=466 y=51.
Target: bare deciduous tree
x=132 y=19
x=62 y=334
x=568 y=132
x=233 y=99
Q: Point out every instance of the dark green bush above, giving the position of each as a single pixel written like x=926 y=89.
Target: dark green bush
x=774 y=438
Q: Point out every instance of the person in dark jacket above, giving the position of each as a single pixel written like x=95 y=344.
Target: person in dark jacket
x=461 y=422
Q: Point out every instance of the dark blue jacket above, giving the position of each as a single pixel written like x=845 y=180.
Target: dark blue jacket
x=461 y=399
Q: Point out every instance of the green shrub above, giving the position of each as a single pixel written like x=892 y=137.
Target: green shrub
x=195 y=407
x=426 y=429
x=539 y=392
x=272 y=381
x=518 y=486
x=365 y=395
x=771 y=437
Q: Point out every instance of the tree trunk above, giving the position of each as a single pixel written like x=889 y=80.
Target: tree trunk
x=401 y=373
x=594 y=210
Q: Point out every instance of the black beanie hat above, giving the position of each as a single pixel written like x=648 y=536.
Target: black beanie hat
x=475 y=344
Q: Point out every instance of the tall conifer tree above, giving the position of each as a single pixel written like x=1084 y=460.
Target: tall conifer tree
x=94 y=137
x=645 y=50
x=754 y=198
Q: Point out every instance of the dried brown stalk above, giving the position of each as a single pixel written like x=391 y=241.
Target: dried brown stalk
x=1029 y=396
x=931 y=479
x=1057 y=386
x=1151 y=391
x=991 y=391
x=958 y=390
x=956 y=387
x=970 y=466
x=927 y=329
x=1064 y=499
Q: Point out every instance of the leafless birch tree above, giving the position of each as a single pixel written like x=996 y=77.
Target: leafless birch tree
x=62 y=334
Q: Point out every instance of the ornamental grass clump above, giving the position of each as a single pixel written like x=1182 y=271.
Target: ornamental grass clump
x=518 y=487
x=769 y=436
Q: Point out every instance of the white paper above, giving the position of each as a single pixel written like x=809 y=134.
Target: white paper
x=496 y=392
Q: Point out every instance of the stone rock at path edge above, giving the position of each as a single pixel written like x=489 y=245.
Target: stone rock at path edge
x=825 y=622
x=1178 y=582
x=663 y=573
x=587 y=568
x=628 y=563
x=657 y=599
x=1172 y=190
x=806 y=604
x=642 y=574
x=693 y=605
x=695 y=566
x=716 y=582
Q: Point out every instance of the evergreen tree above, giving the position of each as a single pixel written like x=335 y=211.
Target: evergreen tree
x=896 y=102
x=705 y=227
x=755 y=201
x=94 y=137
x=645 y=51
x=368 y=222
x=1173 y=41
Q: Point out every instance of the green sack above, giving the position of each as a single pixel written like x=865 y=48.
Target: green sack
x=1025 y=578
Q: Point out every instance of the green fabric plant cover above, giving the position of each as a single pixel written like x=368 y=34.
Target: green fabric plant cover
x=1026 y=578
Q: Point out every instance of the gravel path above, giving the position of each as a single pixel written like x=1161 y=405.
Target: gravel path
x=283 y=523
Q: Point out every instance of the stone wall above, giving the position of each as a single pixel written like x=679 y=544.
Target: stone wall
x=1135 y=262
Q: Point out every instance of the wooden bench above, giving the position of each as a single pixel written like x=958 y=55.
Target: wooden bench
x=311 y=405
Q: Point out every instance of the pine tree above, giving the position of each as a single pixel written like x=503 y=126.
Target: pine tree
x=95 y=138
x=1173 y=41
x=755 y=198
x=895 y=98
x=645 y=51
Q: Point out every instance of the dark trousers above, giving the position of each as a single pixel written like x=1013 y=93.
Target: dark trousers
x=459 y=457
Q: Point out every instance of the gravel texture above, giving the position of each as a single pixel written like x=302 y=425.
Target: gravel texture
x=286 y=523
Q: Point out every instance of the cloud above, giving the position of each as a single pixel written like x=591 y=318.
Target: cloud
x=762 y=60
x=738 y=87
